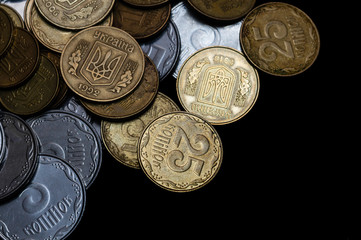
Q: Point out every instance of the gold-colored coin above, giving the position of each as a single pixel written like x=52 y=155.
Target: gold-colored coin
x=145 y=3
x=74 y=14
x=223 y=9
x=180 y=152
x=14 y=15
x=219 y=84
x=102 y=63
x=121 y=138
x=133 y=103
x=280 y=39
x=6 y=26
x=34 y=95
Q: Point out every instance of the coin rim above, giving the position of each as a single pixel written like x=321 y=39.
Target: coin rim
x=11 y=40
x=145 y=5
x=16 y=14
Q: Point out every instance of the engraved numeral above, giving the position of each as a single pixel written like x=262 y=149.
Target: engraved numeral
x=89 y=90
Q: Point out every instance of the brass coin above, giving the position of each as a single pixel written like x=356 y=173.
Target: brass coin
x=223 y=9
x=34 y=95
x=133 y=103
x=145 y=3
x=6 y=26
x=102 y=63
x=180 y=152
x=21 y=60
x=140 y=22
x=121 y=138
x=74 y=14
x=280 y=39
x=219 y=84
x=14 y=16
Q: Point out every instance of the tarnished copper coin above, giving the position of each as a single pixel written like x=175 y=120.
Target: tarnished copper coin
x=102 y=63
x=133 y=103
x=14 y=16
x=6 y=26
x=223 y=9
x=280 y=39
x=140 y=22
x=145 y=3
x=21 y=60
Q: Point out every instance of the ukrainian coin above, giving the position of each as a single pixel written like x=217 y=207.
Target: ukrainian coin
x=74 y=14
x=140 y=22
x=196 y=33
x=21 y=60
x=20 y=160
x=36 y=93
x=18 y=5
x=102 y=63
x=145 y=3
x=180 y=152
x=14 y=15
x=164 y=50
x=121 y=138
x=50 y=207
x=2 y=144
x=6 y=31
x=75 y=141
x=133 y=103
x=280 y=39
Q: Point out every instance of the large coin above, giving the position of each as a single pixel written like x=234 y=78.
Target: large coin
x=6 y=31
x=74 y=14
x=280 y=39
x=219 y=84
x=145 y=3
x=102 y=63
x=50 y=207
x=180 y=152
x=121 y=138
x=14 y=16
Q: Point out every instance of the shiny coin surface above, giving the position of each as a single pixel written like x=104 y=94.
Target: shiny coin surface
x=36 y=93
x=121 y=138
x=75 y=141
x=146 y=3
x=180 y=152
x=20 y=161
x=223 y=9
x=14 y=15
x=219 y=84
x=6 y=31
x=74 y=14
x=133 y=103
x=102 y=63
x=21 y=60
x=280 y=39
x=50 y=207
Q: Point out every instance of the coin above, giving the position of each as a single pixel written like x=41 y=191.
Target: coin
x=20 y=161
x=2 y=144
x=145 y=3
x=14 y=15
x=6 y=31
x=102 y=63
x=219 y=84
x=74 y=14
x=223 y=9
x=50 y=207
x=180 y=152
x=20 y=61
x=121 y=138
x=280 y=39
x=140 y=22
x=133 y=103
x=75 y=141
x=35 y=94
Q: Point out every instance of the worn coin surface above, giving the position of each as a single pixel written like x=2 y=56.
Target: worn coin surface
x=6 y=31
x=219 y=84
x=180 y=152
x=121 y=138
x=102 y=63
x=133 y=103
x=50 y=207
x=74 y=14
x=280 y=39
x=223 y=9
x=145 y=3
x=75 y=141
x=14 y=15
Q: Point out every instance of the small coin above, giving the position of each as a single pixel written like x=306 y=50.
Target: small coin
x=280 y=39
x=21 y=60
x=102 y=63
x=180 y=152
x=36 y=93
x=14 y=15
x=121 y=138
x=140 y=22
x=74 y=14
x=6 y=31
x=50 y=207
x=223 y=9
x=145 y=3
x=20 y=160
x=219 y=84
x=133 y=103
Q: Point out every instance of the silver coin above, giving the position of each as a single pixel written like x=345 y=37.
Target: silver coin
x=2 y=143
x=50 y=207
x=71 y=138
x=195 y=33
